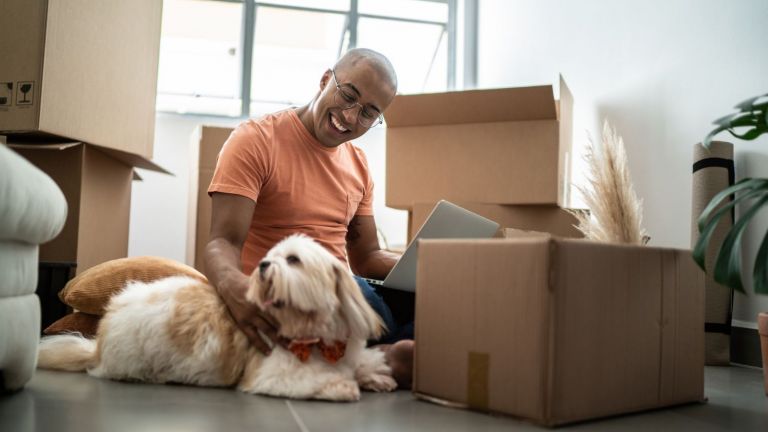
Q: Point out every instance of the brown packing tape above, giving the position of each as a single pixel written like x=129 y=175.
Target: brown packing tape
x=478 y=365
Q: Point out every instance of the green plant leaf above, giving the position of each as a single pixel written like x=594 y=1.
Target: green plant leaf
x=702 y=244
x=760 y=106
x=742 y=119
x=750 y=103
x=725 y=120
x=746 y=183
x=747 y=104
x=748 y=135
x=760 y=275
x=728 y=261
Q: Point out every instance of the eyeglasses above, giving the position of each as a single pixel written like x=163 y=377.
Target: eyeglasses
x=346 y=98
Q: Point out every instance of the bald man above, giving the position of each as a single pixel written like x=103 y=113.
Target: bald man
x=296 y=171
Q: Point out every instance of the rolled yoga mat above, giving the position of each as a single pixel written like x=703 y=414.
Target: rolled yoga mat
x=712 y=172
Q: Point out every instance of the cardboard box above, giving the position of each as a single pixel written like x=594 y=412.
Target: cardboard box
x=502 y=146
x=558 y=330
x=544 y=218
x=97 y=188
x=207 y=142
x=85 y=70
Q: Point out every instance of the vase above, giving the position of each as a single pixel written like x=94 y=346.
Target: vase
x=762 y=325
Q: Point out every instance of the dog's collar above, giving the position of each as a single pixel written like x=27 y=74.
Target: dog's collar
x=332 y=353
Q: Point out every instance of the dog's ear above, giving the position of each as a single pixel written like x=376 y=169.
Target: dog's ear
x=363 y=322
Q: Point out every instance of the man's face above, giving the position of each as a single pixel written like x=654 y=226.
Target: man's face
x=334 y=125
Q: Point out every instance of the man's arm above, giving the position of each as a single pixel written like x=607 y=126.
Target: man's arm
x=230 y=219
x=365 y=256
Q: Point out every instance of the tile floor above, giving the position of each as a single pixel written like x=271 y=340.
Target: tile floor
x=62 y=402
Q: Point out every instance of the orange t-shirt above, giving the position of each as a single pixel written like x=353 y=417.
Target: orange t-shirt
x=298 y=185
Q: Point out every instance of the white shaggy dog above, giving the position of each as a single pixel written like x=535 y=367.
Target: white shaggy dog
x=178 y=330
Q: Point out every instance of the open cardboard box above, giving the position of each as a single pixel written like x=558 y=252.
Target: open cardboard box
x=500 y=146
x=543 y=218
x=557 y=330
x=97 y=187
x=83 y=70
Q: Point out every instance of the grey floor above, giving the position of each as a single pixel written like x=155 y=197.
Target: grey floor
x=59 y=401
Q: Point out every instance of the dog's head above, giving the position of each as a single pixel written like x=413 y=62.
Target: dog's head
x=311 y=293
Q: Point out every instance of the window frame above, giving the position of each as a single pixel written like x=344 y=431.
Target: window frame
x=251 y=7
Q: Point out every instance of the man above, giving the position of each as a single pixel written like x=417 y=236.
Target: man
x=296 y=171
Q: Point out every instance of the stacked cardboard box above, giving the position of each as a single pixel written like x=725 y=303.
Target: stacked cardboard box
x=206 y=144
x=550 y=329
x=77 y=98
x=502 y=153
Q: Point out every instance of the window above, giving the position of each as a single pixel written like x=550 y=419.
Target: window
x=247 y=57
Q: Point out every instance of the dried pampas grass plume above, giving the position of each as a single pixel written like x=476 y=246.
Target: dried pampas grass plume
x=616 y=212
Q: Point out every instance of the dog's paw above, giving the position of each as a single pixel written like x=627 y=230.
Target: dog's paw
x=373 y=373
x=378 y=382
x=340 y=391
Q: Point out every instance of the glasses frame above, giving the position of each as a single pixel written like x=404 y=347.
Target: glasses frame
x=349 y=105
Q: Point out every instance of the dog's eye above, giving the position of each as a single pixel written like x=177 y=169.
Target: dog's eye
x=277 y=304
x=293 y=259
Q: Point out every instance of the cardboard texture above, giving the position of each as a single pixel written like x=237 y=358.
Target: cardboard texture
x=558 y=330
x=502 y=146
x=206 y=144
x=85 y=70
x=544 y=218
x=98 y=192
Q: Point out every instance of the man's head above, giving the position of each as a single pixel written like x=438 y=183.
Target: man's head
x=352 y=97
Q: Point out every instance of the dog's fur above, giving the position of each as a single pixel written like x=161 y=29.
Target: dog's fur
x=178 y=330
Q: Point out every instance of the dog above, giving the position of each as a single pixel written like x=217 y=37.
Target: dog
x=178 y=330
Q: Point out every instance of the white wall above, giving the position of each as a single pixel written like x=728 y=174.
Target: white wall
x=159 y=202
x=660 y=71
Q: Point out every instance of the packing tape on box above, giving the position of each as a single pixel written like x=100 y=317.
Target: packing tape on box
x=477 y=380
x=713 y=171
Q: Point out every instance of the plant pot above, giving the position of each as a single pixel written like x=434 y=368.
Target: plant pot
x=762 y=325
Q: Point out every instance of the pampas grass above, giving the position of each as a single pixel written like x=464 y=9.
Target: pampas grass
x=616 y=211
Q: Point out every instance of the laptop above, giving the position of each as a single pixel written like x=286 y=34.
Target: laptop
x=447 y=220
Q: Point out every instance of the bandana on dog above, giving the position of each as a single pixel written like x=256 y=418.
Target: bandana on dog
x=302 y=349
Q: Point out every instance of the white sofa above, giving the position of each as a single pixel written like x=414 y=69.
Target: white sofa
x=32 y=211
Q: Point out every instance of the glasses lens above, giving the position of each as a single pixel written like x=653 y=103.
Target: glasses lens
x=345 y=98
x=367 y=121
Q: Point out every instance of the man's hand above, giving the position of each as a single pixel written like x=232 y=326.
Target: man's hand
x=230 y=218
x=248 y=316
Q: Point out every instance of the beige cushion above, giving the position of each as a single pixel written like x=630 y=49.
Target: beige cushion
x=90 y=291
x=83 y=323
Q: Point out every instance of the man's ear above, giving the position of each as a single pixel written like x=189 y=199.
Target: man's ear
x=325 y=79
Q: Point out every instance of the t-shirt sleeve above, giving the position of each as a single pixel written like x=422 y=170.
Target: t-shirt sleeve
x=365 y=208
x=243 y=163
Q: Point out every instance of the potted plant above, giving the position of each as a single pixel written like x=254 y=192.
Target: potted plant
x=748 y=123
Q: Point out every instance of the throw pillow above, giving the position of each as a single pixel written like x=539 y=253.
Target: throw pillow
x=83 y=323
x=90 y=291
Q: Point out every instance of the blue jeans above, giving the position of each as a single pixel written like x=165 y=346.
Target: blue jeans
x=398 y=327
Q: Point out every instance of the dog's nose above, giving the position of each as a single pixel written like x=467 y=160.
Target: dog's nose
x=263 y=266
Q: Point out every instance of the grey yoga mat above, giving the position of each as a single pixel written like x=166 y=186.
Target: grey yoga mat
x=712 y=172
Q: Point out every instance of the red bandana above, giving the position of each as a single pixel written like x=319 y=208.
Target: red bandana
x=331 y=353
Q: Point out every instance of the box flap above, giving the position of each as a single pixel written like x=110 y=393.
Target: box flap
x=565 y=136
x=519 y=233
x=472 y=106
x=130 y=159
